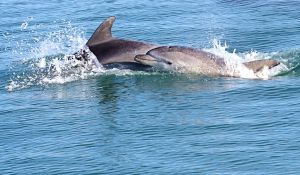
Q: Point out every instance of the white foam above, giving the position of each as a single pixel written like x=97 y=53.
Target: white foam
x=42 y=63
x=234 y=62
x=60 y=70
x=41 y=68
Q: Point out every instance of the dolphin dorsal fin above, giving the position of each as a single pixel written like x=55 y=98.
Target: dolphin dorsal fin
x=102 y=33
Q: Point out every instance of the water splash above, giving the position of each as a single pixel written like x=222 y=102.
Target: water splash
x=60 y=69
x=234 y=62
x=25 y=24
x=45 y=58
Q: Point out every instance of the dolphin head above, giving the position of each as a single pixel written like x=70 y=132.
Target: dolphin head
x=153 y=61
x=164 y=58
x=258 y=65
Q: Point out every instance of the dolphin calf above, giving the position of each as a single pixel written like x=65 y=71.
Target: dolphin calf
x=112 y=52
x=190 y=60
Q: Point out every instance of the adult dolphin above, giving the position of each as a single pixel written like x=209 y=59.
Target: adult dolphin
x=111 y=51
x=190 y=60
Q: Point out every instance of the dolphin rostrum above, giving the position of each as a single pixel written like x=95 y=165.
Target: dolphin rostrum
x=190 y=60
x=110 y=50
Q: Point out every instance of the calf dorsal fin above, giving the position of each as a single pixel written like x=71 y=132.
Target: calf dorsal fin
x=102 y=33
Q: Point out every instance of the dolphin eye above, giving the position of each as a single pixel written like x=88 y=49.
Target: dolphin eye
x=169 y=63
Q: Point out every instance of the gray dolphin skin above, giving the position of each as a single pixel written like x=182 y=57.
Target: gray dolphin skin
x=189 y=60
x=258 y=65
x=110 y=50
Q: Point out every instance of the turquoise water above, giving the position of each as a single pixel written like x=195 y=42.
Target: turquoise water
x=66 y=121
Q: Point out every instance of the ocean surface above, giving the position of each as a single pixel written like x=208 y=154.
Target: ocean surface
x=57 y=119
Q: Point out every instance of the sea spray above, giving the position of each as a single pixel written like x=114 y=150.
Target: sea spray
x=234 y=62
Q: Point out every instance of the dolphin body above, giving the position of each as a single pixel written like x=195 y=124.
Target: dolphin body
x=113 y=52
x=190 y=60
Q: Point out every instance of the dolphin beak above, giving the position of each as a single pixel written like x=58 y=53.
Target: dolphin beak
x=144 y=58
